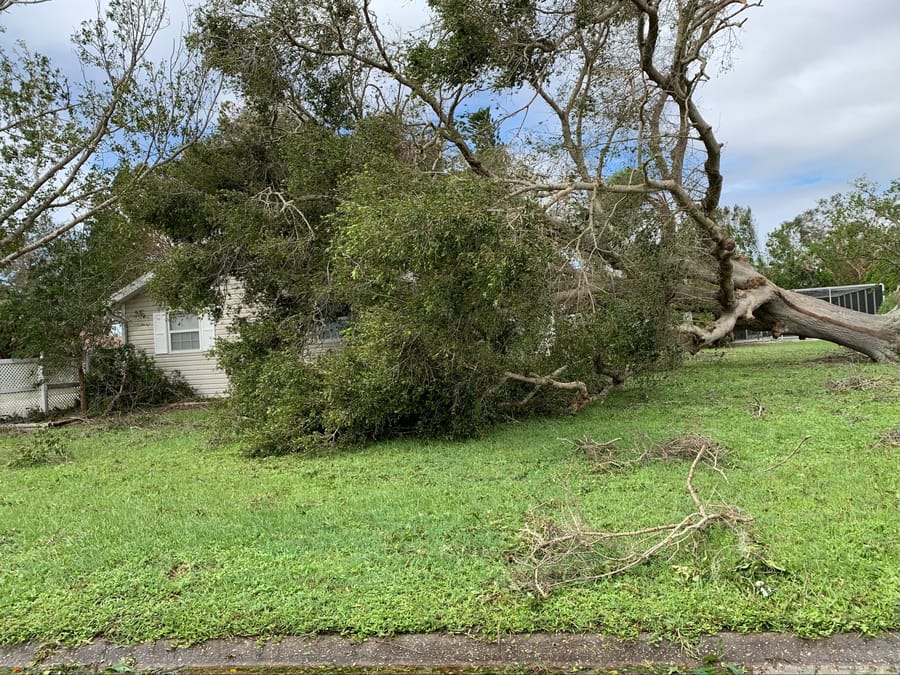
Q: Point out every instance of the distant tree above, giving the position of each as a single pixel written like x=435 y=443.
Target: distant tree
x=63 y=141
x=848 y=238
x=791 y=261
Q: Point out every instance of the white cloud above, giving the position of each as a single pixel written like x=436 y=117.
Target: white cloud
x=810 y=103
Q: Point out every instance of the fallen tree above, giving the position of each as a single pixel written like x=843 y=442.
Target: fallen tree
x=487 y=264
x=761 y=305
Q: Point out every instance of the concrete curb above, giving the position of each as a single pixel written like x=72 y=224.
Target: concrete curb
x=758 y=652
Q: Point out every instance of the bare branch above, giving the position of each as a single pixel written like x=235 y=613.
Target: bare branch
x=141 y=116
x=6 y=4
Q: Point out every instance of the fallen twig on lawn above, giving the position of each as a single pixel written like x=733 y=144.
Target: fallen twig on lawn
x=793 y=452
x=568 y=553
x=608 y=457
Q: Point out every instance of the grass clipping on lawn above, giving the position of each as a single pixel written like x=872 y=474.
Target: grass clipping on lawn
x=573 y=552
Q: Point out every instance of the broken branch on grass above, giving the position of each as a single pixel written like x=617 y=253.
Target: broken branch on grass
x=560 y=554
x=793 y=452
x=758 y=408
x=583 y=395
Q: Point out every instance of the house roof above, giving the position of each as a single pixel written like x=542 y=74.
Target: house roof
x=131 y=289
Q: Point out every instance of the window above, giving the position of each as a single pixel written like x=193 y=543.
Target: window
x=174 y=332
x=334 y=330
x=184 y=332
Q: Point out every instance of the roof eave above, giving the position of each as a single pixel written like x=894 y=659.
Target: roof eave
x=131 y=289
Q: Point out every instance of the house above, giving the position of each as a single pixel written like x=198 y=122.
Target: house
x=176 y=341
x=181 y=342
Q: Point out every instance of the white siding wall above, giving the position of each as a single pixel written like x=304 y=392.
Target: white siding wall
x=199 y=369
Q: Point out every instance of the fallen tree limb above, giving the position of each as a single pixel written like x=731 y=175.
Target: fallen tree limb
x=583 y=394
x=28 y=426
x=793 y=452
x=573 y=553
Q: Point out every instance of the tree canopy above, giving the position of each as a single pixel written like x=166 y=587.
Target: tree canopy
x=849 y=238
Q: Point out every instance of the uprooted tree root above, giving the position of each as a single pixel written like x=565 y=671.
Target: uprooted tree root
x=565 y=553
x=607 y=456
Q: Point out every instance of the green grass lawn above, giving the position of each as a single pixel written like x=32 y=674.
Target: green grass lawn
x=148 y=532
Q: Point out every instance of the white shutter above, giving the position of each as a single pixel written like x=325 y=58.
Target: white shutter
x=160 y=333
x=207 y=333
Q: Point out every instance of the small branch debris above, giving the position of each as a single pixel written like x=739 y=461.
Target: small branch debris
x=758 y=409
x=852 y=383
x=793 y=452
x=608 y=457
x=566 y=553
x=890 y=439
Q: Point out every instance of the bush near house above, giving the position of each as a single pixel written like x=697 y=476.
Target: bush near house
x=123 y=379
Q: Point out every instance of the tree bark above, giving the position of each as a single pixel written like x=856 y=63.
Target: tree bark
x=82 y=387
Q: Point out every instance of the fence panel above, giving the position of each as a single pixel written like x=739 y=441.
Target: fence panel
x=26 y=389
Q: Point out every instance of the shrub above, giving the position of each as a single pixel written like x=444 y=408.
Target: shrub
x=124 y=379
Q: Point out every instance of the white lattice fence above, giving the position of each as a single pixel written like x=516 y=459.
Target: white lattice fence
x=25 y=387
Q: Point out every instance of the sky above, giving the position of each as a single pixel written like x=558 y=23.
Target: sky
x=811 y=100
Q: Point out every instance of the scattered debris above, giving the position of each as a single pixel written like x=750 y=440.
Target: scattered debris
x=558 y=553
x=890 y=439
x=853 y=383
x=44 y=447
x=608 y=457
x=844 y=356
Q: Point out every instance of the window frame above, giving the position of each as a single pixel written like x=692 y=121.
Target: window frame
x=162 y=333
x=170 y=317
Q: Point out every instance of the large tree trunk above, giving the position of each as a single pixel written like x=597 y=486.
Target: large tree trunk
x=761 y=305
x=876 y=336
